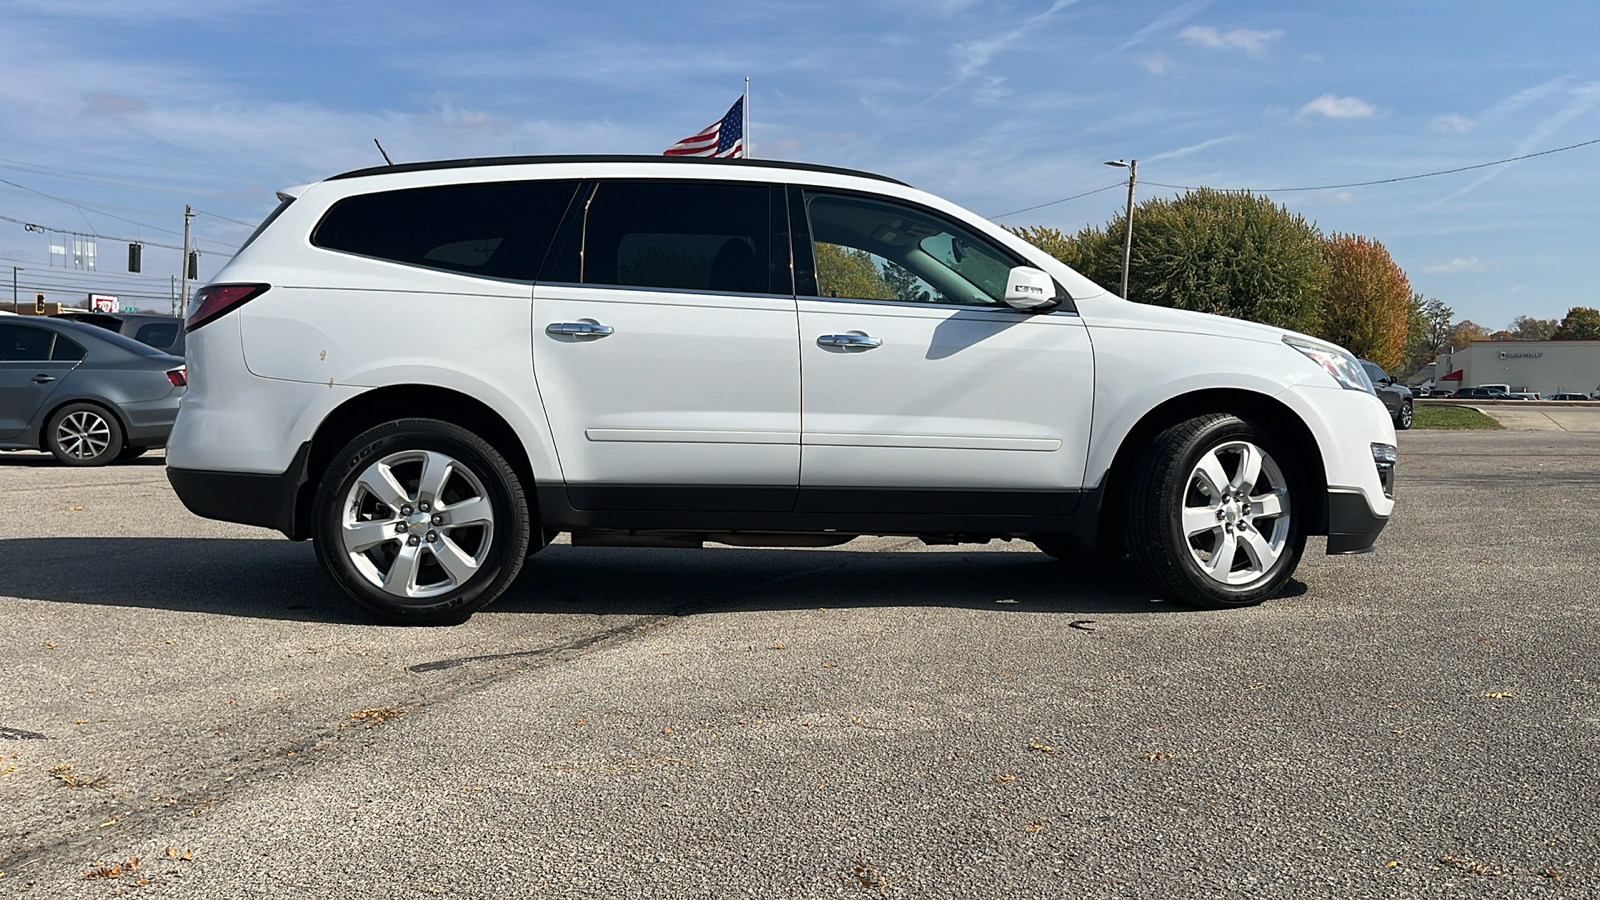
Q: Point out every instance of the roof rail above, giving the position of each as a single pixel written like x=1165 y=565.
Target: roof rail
x=605 y=158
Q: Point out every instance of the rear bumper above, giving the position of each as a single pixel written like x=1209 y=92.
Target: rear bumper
x=267 y=501
x=1352 y=525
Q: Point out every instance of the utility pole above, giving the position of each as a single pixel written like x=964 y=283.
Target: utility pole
x=183 y=295
x=15 y=306
x=1127 y=242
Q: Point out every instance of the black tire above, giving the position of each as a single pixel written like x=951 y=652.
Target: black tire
x=83 y=434
x=486 y=553
x=1402 y=419
x=131 y=453
x=1166 y=481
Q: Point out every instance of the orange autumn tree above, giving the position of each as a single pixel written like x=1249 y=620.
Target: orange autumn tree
x=1368 y=301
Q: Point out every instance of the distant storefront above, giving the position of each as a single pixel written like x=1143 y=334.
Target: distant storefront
x=1541 y=366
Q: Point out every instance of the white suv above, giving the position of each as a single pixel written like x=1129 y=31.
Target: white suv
x=431 y=369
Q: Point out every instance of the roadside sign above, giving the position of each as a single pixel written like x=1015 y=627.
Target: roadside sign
x=130 y=309
x=104 y=303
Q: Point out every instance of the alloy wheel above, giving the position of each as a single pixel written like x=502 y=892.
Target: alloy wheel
x=1236 y=513
x=417 y=524
x=83 y=435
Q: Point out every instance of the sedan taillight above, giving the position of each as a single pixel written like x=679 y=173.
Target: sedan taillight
x=215 y=299
x=179 y=376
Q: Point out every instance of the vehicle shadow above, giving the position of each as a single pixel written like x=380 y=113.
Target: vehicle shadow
x=277 y=579
x=35 y=459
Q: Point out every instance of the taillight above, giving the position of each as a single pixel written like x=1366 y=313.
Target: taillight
x=215 y=299
x=179 y=376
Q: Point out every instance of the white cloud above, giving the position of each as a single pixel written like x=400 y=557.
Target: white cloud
x=1247 y=39
x=972 y=56
x=1155 y=63
x=1193 y=148
x=1339 y=107
x=1459 y=264
x=1451 y=124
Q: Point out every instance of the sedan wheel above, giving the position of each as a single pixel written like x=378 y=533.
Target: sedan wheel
x=421 y=522
x=1403 y=420
x=83 y=434
x=1211 y=518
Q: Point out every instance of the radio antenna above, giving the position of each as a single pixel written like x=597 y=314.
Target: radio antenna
x=385 y=154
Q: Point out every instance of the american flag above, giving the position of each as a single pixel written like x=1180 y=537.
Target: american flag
x=723 y=138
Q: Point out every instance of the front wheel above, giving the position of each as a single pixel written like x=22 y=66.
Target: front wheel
x=1402 y=419
x=421 y=522
x=1215 y=516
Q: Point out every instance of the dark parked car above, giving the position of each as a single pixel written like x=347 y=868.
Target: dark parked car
x=1395 y=396
x=165 y=333
x=1482 y=393
x=1567 y=395
x=85 y=394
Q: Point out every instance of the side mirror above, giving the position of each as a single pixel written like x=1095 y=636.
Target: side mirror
x=1029 y=288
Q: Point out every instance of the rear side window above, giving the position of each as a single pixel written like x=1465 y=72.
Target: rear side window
x=66 y=350
x=160 y=335
x=498 y=230
x=22 y=343
x=697 y=236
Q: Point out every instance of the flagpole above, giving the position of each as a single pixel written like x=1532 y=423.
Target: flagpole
x=746 y=151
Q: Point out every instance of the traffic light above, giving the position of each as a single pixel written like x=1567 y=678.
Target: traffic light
x=38 y=304
x=194 y=264
x=135 y=251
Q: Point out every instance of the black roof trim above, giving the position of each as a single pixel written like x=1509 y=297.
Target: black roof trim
x=605 y=158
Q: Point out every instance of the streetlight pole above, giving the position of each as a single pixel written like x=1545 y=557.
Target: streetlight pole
x=1132 y=166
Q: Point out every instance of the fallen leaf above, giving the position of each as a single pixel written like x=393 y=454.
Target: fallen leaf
x=49 y=645
x=1036 y=826
x=1042 y=748
x=829 y=666
x=74 y=509
x=1003 y=779
x=472 y=787
x=780 y=646
x=667 y=730
x=1155 y=756
x=1499 y=695
x=1392 y=863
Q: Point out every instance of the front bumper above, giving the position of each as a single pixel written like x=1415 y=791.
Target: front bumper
x=1352 y=525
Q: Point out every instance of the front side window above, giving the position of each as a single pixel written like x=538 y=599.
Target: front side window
x=872 y=249
x=23 y=343
x=694 y=236
x=497 y=230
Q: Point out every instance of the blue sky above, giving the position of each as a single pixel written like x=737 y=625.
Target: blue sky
x=134 y=108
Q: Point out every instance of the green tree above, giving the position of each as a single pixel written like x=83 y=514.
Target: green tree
x=1527 y=328
x=1582 y=323
x=1427 y=329
x=843 y=272
x=1234 y=254
x=1367 y=306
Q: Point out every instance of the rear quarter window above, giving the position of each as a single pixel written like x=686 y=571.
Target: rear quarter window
x=496 y=230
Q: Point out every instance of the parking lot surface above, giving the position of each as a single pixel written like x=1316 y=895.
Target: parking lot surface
x=883 y=719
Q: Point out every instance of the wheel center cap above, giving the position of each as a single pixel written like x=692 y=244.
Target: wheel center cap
x=418 y=520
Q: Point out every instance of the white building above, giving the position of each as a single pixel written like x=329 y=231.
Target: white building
x=1541 y=366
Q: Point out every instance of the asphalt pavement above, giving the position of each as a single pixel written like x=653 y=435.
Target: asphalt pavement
x=882 y=719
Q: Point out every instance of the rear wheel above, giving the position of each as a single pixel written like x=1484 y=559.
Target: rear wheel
x=1214 y=513
x=83 y=434
x=421 y=522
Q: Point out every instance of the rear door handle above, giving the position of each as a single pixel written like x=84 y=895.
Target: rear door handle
x=42 y=378
x=852 y=341
x=579 y=329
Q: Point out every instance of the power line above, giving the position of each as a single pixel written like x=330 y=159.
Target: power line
x=1324 y=187
x=1330 y=187
x=1062 y=200
x=226 y=219
x=106 y=237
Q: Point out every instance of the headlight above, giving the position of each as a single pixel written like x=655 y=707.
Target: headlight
x=1337 y=363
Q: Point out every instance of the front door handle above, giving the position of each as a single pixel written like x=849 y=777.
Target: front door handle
x=851 y=341
x=42 y=378
x=579 y=329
